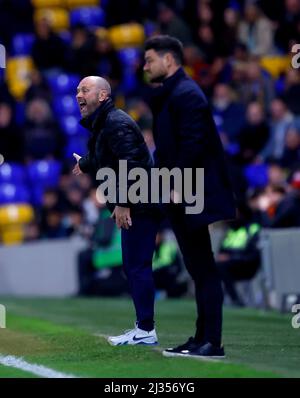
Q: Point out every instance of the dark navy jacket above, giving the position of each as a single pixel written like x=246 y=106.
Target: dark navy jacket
x=115 y=136
x=185 y=136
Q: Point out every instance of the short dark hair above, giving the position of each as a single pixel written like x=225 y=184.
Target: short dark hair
x=164 y=44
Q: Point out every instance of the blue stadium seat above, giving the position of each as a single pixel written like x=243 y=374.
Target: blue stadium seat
x=71 y=127
x=22 y=44
x=256 y=175
x=45 y=173
x=130 y=58
x=63 y=83
x=12 y=173
x=11 y=193
x=76 y=143
x=66 y=105
x=88 y=16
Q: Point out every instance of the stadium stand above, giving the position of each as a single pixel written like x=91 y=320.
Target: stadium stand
x=53 y=44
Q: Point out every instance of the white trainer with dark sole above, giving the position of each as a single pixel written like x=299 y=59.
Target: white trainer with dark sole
x=134 y=336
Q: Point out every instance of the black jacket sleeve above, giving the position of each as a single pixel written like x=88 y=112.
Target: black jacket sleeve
x=127 y=144
x=85 y=163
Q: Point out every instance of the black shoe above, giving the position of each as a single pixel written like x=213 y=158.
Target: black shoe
x=206 y=351
x=182 y=349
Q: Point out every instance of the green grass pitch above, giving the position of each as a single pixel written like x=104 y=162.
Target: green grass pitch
x=66 y=335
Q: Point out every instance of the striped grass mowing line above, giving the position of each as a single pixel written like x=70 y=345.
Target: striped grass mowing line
x=38 y=370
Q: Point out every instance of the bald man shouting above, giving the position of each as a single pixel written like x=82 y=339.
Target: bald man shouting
x=114 y=137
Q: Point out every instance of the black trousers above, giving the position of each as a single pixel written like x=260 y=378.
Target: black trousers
x=195 y=246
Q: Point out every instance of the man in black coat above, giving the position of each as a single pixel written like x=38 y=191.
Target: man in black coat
x=116 y=137
x=186 y=137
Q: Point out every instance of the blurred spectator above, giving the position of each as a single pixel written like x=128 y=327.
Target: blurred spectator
x=38 y=87
x=32 y=232
x=73 y=221
x=291 y=153
x=140 y=112
x=171 y=24
x=206 y=42
x=288 y=30
x=51 y=199
x=15 y=16
x=43 y=138
x=229 y=31
x=91 y=207
x=239 y=257
x=54 y=227
x=281 y=209
x=281 y=120
x=74 y=197
x=256 y=31
x=107 y=62
x=229 y=114
x=257 y=86
x=276 y=174
x=197 y=67
x=168 y=273
x=254 y=135
x=291 y=93
x=120 y=12
x=99 y=266
x=82 y=53
x=11 y=140
x=48 y=50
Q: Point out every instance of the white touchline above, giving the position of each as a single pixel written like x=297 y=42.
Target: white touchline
x=38 y=370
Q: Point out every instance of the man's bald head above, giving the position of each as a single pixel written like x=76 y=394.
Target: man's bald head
x=92 y=91
x=98 y=81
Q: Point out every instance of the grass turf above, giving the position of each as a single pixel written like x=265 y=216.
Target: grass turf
x=60 y=334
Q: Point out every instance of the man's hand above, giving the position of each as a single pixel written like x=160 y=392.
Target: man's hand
x=76 y=169
x=122 y=217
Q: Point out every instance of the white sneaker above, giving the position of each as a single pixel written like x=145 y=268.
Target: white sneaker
x=134 y=337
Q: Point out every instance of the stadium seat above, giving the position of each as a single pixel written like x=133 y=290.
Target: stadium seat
x=276 y=64
x=18 y=75
x=82 y=3
x=58 y=17
x=15 y=214
x=70 y=126
x=22 y=44
x=127 y=35
x=66 y=105
x=13 y=173
x=44 y=172
x=13 y=218
x=88 y=16
x=77 y=144
x=130 y=58
x=11 y=193
x=256 y=175
x=63 y=83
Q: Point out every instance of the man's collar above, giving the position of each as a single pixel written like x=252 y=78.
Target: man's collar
x=169 y=81
x=98 y=117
